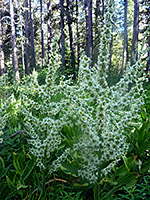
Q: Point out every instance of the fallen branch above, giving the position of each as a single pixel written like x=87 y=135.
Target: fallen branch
x=18 y=133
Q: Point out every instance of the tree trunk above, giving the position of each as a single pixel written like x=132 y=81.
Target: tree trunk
x=134 y=55
x=62 y=34
x=97 y=36
x=71 y=40
x=49 y=27
x=89 y=30
x=125 y=46
x=13 y=37
x=42 y=33
x=2 y=66
x=27 y=38
x=78 y=34
x=21 y=34
x=97 y=14
x=32 y=37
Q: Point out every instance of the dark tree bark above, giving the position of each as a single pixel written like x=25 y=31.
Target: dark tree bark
x=62 y=34
x=21 y=34
x=134 y=55
x=98 y=20
x=42 y=33
x=49 y=27
x=32 y=37
x=13 y=38
x=27 y=38
x=2 y=66
x=78 y=34
x=125 y=46
x=89 y=30
x=97 y=14
x=71 y=40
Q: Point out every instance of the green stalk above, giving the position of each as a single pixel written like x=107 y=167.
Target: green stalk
x=43 y=182
x=97 y=186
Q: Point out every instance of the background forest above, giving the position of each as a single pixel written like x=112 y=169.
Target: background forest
x=28 y=28
x=74 y=99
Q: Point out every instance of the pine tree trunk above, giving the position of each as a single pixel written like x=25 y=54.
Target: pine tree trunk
x=32 y=37
x=71 y=40
x=13 y=37
x=2 y=66
x=97 y=14
x=125 y=46
x=27 y=38
x=134 y=55
x=49 y=27
x=78 y=34
x=62 y=34
x=97 y=30
x=21 y=34
x=89 y=30
x=42 y=33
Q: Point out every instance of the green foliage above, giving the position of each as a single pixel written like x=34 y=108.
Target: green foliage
x=16 y=168
x=61 y=191
x=139 y=191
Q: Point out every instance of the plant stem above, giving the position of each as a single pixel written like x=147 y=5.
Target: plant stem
x=97 y=184
x=43 y=182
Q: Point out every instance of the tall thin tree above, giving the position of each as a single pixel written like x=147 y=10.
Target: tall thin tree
x=42 y=32
x=49 y=27
x=134 y=53
x=97 y=35
x=78 y=34
x=13 y=38
x=89 y=29
x=71 y=39
x=2 y=66
x=19 y=4
x=27 y=38
x=62 y=34
x=32 y=36
x=125 y=46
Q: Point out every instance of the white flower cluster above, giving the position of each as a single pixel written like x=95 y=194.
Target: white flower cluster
x=102 y=113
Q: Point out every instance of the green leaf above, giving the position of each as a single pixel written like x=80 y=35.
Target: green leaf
x=10 y=183
x=69 y=168
x=28 y=169
x=81 y=185
x=122 y=170
x=145 y=167
x=2 y=167
x=125 y=179
x=17 y=164
x=128 y=178
x=128 y=162
x=144 y=116
x=20 y=185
